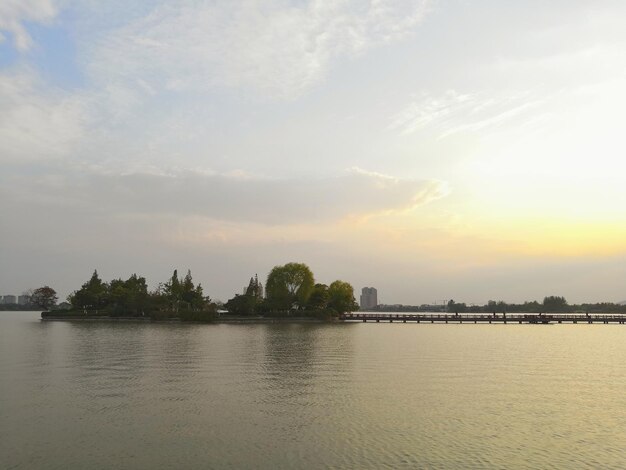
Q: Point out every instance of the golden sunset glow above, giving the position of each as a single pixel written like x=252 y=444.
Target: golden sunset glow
x=233 y=136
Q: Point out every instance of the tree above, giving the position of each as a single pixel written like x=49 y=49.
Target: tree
x=319 y=297
x=191 y=294
x=137 y=293
x=457 y=307
x=177 y=291
x=242 y=305
x=92 y=294
x=341 y=297
x=44 y=297
x=248 y=303
x=255 y=288
x=289 y=286
x=128 y=297
x=172 y=291
x=555 y=304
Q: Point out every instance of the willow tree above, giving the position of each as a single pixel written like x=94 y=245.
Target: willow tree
x=341 y=297
x=289 y=286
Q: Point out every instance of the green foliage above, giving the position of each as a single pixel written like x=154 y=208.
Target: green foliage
x=255 y=289
x=182 y=293
x=555 y=304
x=172 y=291
x=493 y=306
x=267 y=306
x=276 y=290
x=92 y=294
x=126 y=297
x=191 y=295
x=319 y=297
x=242 y=305
x=161 y=315
x=289 y=286
x=44 y=297
x=456 y=307
x=131 y=297
x=341 y=297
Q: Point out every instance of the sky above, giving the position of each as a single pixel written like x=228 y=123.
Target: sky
x=434 y=150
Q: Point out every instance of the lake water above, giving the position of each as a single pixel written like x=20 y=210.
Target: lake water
x=78 y=395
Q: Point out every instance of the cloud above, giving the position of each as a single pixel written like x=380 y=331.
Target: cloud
x=453 y=112
x=230 y=197
x=36 y=122
x=14 y=13
x=277 y=48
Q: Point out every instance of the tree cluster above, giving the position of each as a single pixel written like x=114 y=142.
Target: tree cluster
x=291 y=288
x=175 y=298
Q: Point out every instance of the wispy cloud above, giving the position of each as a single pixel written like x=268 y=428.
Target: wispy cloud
x=454 y=112
x=15 y=13
x=266 y=46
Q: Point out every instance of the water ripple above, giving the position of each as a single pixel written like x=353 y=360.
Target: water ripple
x=90 y=395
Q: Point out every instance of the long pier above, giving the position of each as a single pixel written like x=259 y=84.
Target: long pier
x=498 y=318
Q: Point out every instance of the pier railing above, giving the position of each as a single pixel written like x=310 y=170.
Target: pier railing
x=520 y=318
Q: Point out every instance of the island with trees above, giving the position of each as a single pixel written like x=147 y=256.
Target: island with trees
x=291 y=293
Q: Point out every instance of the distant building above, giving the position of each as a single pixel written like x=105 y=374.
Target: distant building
x=369 y=298
x=9 y=299
x=23 y=299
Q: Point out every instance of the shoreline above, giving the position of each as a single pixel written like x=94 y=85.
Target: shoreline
x=219 y=320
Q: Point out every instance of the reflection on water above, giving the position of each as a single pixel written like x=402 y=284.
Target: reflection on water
x=130 y=395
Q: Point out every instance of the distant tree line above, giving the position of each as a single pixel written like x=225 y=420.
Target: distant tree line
x=550 y=304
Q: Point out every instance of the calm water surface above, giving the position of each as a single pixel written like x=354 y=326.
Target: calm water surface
x=124 y=395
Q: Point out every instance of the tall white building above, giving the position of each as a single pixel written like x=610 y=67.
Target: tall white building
x=369 y=298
